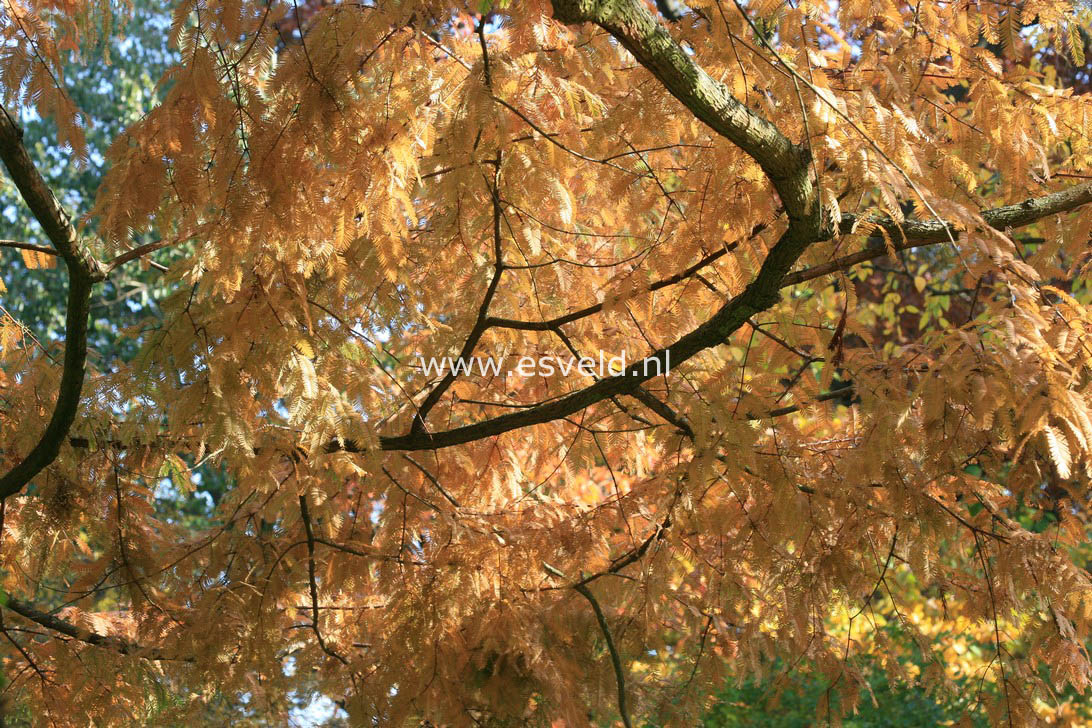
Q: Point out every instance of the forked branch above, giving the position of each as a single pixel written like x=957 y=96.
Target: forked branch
x=631 y=23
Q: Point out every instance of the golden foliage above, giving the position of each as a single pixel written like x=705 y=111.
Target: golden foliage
x=379 y=188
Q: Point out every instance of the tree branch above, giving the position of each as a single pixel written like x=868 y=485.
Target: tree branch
x=45 y=250
x=312 y=582
x=634 y=26
x=616 y=660
x=759 y=295
x=916 y=233
x=138 y=252
x=83 y=272
x=68 y=629
x=481 y=323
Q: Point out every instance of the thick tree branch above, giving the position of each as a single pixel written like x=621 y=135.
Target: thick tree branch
x=83 y=272
x=634 y=26
x=42 y=202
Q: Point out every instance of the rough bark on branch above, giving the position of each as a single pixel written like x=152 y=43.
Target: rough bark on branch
x=634 y=26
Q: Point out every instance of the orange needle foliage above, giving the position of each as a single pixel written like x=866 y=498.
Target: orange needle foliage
x=779 y=200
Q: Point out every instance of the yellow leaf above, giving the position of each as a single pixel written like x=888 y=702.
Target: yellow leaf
x=37 y=259
x=303 y=346
x=1059 y=450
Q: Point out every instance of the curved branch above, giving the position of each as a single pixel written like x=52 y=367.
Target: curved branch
x=760 y=295
x=83 y=272
x=634 y=26
x=43 y=203
x=139 y=252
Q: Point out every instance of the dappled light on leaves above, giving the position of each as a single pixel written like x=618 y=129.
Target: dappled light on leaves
x=852 y=237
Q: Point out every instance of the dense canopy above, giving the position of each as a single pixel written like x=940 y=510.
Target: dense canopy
x=281 y=438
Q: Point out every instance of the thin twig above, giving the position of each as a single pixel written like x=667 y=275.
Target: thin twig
x=306 y=516
x=616 y=660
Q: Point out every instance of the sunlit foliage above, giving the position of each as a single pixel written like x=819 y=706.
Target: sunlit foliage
x=855 y=232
